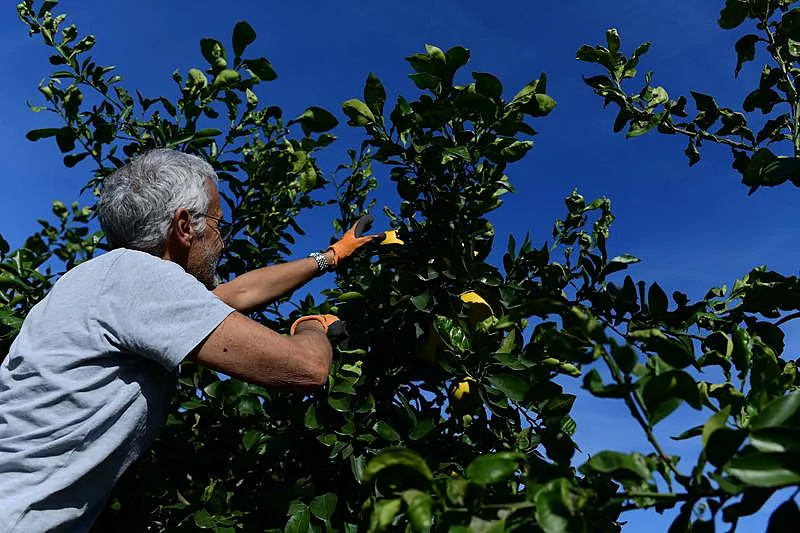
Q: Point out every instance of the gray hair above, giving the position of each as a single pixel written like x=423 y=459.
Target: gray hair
x=139 y=200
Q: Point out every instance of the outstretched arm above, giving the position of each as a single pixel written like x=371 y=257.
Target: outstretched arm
x=256 y=289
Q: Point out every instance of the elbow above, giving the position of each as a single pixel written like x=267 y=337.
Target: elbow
x=317 y=368
x=318 y=378
x=321 y=369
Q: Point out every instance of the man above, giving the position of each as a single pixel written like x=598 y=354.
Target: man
x=86 y=385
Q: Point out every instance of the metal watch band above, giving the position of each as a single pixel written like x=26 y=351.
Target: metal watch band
x=322 y=263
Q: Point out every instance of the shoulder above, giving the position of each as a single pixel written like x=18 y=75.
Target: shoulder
x=124 y=259
x=127 y=269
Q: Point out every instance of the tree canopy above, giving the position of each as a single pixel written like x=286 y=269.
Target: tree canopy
x=445 y=411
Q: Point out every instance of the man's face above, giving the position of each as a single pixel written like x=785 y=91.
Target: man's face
x=205 y=251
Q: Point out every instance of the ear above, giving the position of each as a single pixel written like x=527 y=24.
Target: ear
x=181 y=231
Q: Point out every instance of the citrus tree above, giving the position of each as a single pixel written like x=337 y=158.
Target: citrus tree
x=444 y=411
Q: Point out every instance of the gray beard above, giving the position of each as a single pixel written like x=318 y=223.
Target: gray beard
x=208 y=273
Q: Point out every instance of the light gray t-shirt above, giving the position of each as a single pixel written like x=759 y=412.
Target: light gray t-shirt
x=87 y=383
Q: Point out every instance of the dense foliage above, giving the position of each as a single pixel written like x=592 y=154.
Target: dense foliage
x=444 y=412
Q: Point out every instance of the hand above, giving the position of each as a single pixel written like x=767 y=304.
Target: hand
x=323 y=322
x=333 y=328
x=354 y=239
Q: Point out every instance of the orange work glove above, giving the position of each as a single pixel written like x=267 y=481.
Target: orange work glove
x=331 y=325
x=325 y=321
x=354 y=239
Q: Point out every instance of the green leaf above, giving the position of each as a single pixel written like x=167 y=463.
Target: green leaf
x=213 y=51
x=780 y=412
x=349 y=296
x=742 y=351
x=357 y=466
x=250 y=438
x=252 y=98
x=753 y=499
x=692 y=153
x=358 y=112
x=723 y=444
x=207 y=132
x=516 y=150
x=35 y=135
x=422 y=301
x=620 y=466
x=340 y=404
x=73 y=159
x=776 y=439
x=745 y=51
x=316 y=119
x=262 y=68
x=594 y=384
x=663 y=394
x=625 y=357
x=657 y=300
x=425 y=81
x=197 y=77
x=512 y=385
x=612 y=38
x=689 y=433
x=775 y=171
x=383 y=513
x=527 y=92
x=227 y=77
x=386 y=431
x=766 y=469
x=310 y=419
x=452 y=334
x=479 y=525
x=308 y=179
x=675 y=353
x=422 y=428
x=790 y=24
x=456 y=57
x=715 y=422
x=785 y=518
x=374 y=95
x=494 y=467
x=300 y=522
x=589 y=54
x=553 y=504
x=402 y=457
x=323 y=506
x=203 y=519
x=793 y=47
x=243 y=36
x=733 y=14
x=419 y=505
x=541 y=105
x=488 y=85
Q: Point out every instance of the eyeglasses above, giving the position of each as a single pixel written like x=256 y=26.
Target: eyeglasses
x=223 y=227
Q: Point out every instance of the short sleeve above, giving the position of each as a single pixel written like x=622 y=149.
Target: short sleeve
x=154 y=308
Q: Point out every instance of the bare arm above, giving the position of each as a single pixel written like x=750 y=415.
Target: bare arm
x=258 y=288
x=245 y=349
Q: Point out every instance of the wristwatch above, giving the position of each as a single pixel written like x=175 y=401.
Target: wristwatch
x=322 y=262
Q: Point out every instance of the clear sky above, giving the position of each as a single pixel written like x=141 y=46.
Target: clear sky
x=693 y=228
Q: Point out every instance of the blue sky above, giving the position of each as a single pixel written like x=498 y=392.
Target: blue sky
x=693 y=228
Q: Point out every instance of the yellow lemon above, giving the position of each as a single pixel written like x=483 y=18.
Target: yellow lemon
x=479 y=309
x=427 y=352
x=464 y=395
x=391 y=238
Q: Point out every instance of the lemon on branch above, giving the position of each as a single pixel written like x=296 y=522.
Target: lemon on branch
x=464 y=396
x=479 y=309
x=391 y=239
